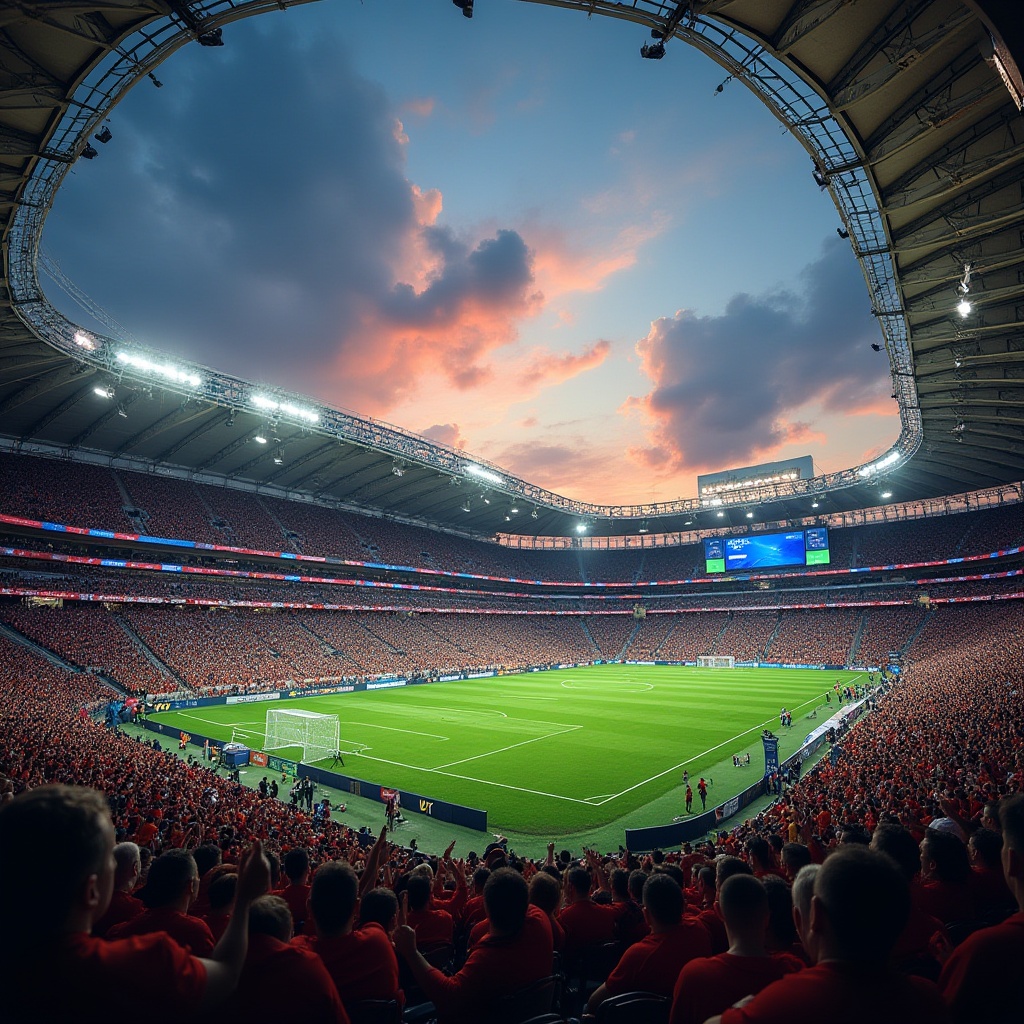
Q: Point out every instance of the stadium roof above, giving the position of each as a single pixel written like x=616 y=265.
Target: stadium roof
x=910 y=111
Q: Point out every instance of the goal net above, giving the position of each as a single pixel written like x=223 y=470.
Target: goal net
x=316 y=734
x=716 y=661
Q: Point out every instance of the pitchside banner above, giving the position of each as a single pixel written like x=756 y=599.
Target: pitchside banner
x=771 y=753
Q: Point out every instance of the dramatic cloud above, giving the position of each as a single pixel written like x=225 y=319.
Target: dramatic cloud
x=446 y=433
x=728 y=389
x=309 y=262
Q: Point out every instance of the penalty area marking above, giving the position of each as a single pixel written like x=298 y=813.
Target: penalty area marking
x=690 y=760
x=429 y=709
x=482 y=782
x=392 y=728
x=511 y=746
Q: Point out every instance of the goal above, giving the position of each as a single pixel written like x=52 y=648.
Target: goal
x=716 y=661
x=317 y=734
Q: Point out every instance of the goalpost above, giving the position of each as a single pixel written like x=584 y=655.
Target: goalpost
x=716 y=661
x=317 y=734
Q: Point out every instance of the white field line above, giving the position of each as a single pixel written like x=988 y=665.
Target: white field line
x=482 y=782
x=525 y=696
x=682 y=764
x=212 y=721
x=392 y=728
x=425 y=709
x=511 y=746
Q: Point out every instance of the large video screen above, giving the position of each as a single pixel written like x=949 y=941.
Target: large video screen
x=766 y=550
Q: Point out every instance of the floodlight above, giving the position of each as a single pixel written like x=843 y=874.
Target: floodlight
x=104 y=135
x=271 y=404
x=484 y=474
x=398 y=468
x=465 y=506
x=278 y=461
x=260 y=439
x=165 y=370
x=886 y=494
x=121 y=412
x=963 y=307
x=514 y=509
x=89 y=152
x=721 y=514
x=533 y=514
x=508 y=518
x=581 y=527
x=814 y=504
x=103 y=392
x=750 y=515
x=873 y=467
x=84 y=341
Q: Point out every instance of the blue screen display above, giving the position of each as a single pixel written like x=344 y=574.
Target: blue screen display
x=764 y=551
x=714 y=547
x=817 y=539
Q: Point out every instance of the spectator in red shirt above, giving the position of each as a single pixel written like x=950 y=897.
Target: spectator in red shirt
x=981 y=978
x=516 y=952
x=283 y=982
x=709 y=986
x=586 y=924
x=123 y=905
x=380 y=906
x=653 y=964
x=992 y=896
x=296 y=890
x=170 y=890
x=361 y=961
x=545 y=895
x=945 y=873
x=65 y=835
x=474 y=910
x=725 y=867
x=916 y=948
x=433 y=927
x=859 y=907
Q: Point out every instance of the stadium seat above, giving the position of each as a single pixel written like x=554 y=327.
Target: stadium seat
x=529 y=1002
x=375 y=1011
x=584 y=973
x=634 y=1008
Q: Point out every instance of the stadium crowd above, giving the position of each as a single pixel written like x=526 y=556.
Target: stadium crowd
x=916 y=911
x=887 y=884
x=78 y=495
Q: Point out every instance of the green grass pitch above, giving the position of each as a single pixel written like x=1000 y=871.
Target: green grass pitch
x=557 y=752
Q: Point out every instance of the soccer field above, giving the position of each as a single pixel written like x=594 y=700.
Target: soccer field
x=557 y=752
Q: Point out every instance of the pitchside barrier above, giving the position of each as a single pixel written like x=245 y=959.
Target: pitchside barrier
x=663 y=837
x=455 y=814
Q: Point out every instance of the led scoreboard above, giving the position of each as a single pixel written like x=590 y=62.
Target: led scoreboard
x=766 y=550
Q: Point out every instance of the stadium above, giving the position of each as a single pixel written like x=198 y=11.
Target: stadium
x=250 y=620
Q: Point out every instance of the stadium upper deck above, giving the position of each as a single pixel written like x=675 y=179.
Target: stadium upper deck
x=910 y=113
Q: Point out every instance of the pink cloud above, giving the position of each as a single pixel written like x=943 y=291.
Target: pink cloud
x=546 y=369
x=446 y=433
